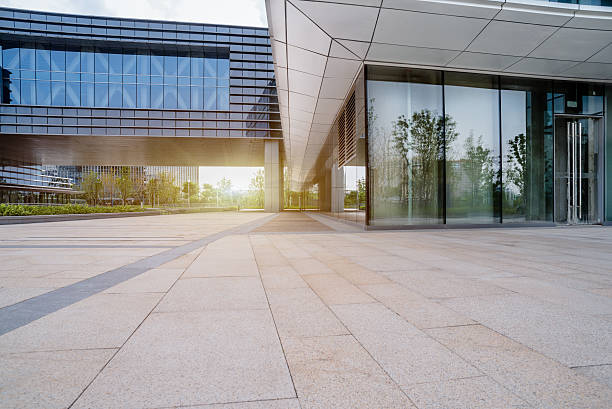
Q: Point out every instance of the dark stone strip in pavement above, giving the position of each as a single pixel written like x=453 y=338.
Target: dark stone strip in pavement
x=24 y=312
x=81 y=246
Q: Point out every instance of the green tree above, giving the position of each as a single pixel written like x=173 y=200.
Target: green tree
x=208 y=193
x=420 y=142
x=480 y=168
x=191 y=189
x=91 y=186
x=256 y=188
x=516 y=162
x=152 y=190
x=108 y=184
x=124 y=184
x=224 y=186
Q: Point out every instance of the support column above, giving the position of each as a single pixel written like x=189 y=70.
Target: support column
x=337 y=189
x=272 y=182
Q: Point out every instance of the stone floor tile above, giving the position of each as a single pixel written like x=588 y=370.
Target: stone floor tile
x=357 y=274
x=406 y=353
x=100 y=321
x=382 y=263
x=475 y=393
x=48 y=379
x=214 y=293
x=157 y=280
x=300 y=313
x=281 y=277
x=12 y=295
x=577 y=300
x=540 y=381
x=556 y=331
x=334 y=289
x=438 y=284
x=607 y=292
x=414 y=308
x=336 y=372
x=310 y=266
x=599 y=373
x=195 y=358
x=261 y=404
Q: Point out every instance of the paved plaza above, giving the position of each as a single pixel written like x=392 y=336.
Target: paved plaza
x=252 y=310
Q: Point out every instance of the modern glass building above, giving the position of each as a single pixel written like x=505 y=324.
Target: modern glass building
x=445 y=114
x=94 y=91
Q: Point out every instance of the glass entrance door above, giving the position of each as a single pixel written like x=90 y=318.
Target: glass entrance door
x=576 y=166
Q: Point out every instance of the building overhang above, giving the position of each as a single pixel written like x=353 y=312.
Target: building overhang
x=319 y=48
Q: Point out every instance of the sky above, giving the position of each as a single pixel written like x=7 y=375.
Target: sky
x=240 y=176
x=232 y=12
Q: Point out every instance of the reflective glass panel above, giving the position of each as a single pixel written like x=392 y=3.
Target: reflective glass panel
x=472 y=148
x=406 y=143
x=527 y=150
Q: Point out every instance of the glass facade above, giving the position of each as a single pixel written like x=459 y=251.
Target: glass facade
x=52 y=75
x=462 y=148
x=605 y=3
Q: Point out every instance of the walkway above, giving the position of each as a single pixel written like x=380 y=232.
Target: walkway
x=299 y=311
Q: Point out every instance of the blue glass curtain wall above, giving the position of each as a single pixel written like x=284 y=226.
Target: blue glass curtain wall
x=38 y=74
x=463 y=148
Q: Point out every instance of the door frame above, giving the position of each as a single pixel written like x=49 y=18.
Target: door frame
x=600 y=123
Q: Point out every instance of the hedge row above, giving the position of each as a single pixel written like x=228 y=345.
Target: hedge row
x=24 y=210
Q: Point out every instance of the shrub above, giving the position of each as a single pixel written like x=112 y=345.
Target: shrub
x=25 y=210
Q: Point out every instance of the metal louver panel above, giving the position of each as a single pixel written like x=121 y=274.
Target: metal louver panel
x=341 y=139
x=347 y=143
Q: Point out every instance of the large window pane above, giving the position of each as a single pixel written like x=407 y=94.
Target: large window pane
x=101 y=62
x=210 y=98
x=157 y=65
x=101 y=92
x=43 y=59
x=197 y=66
x=197 y=98
x=58 y=60
x=223 y=99
x=115 y=63
x=10 y=58
x=58 y=93
x=143 y=64
x=170 y=65
x=73 y=94
x=144 y=96
x=157 y=96
x=472 y=148
x=129 y=95
x=115 y=99
x=87 y=94
x=184 y=66
x=43 y=93
x=27 y=59
x=223 y=68
x=183 y=98
x=527 y=150
x=169 y=97
x=87 y=61
x=210 y=67
x=406 y=142
x=28 y=92
x=73 y=61
x=129 y=64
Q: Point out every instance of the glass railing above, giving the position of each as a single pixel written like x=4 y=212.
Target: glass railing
x=605 y=3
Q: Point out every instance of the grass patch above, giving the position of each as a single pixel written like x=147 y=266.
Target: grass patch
x=24 y=210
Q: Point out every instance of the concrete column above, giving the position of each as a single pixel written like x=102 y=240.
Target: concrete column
x=337 y=189
x=273 y=180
